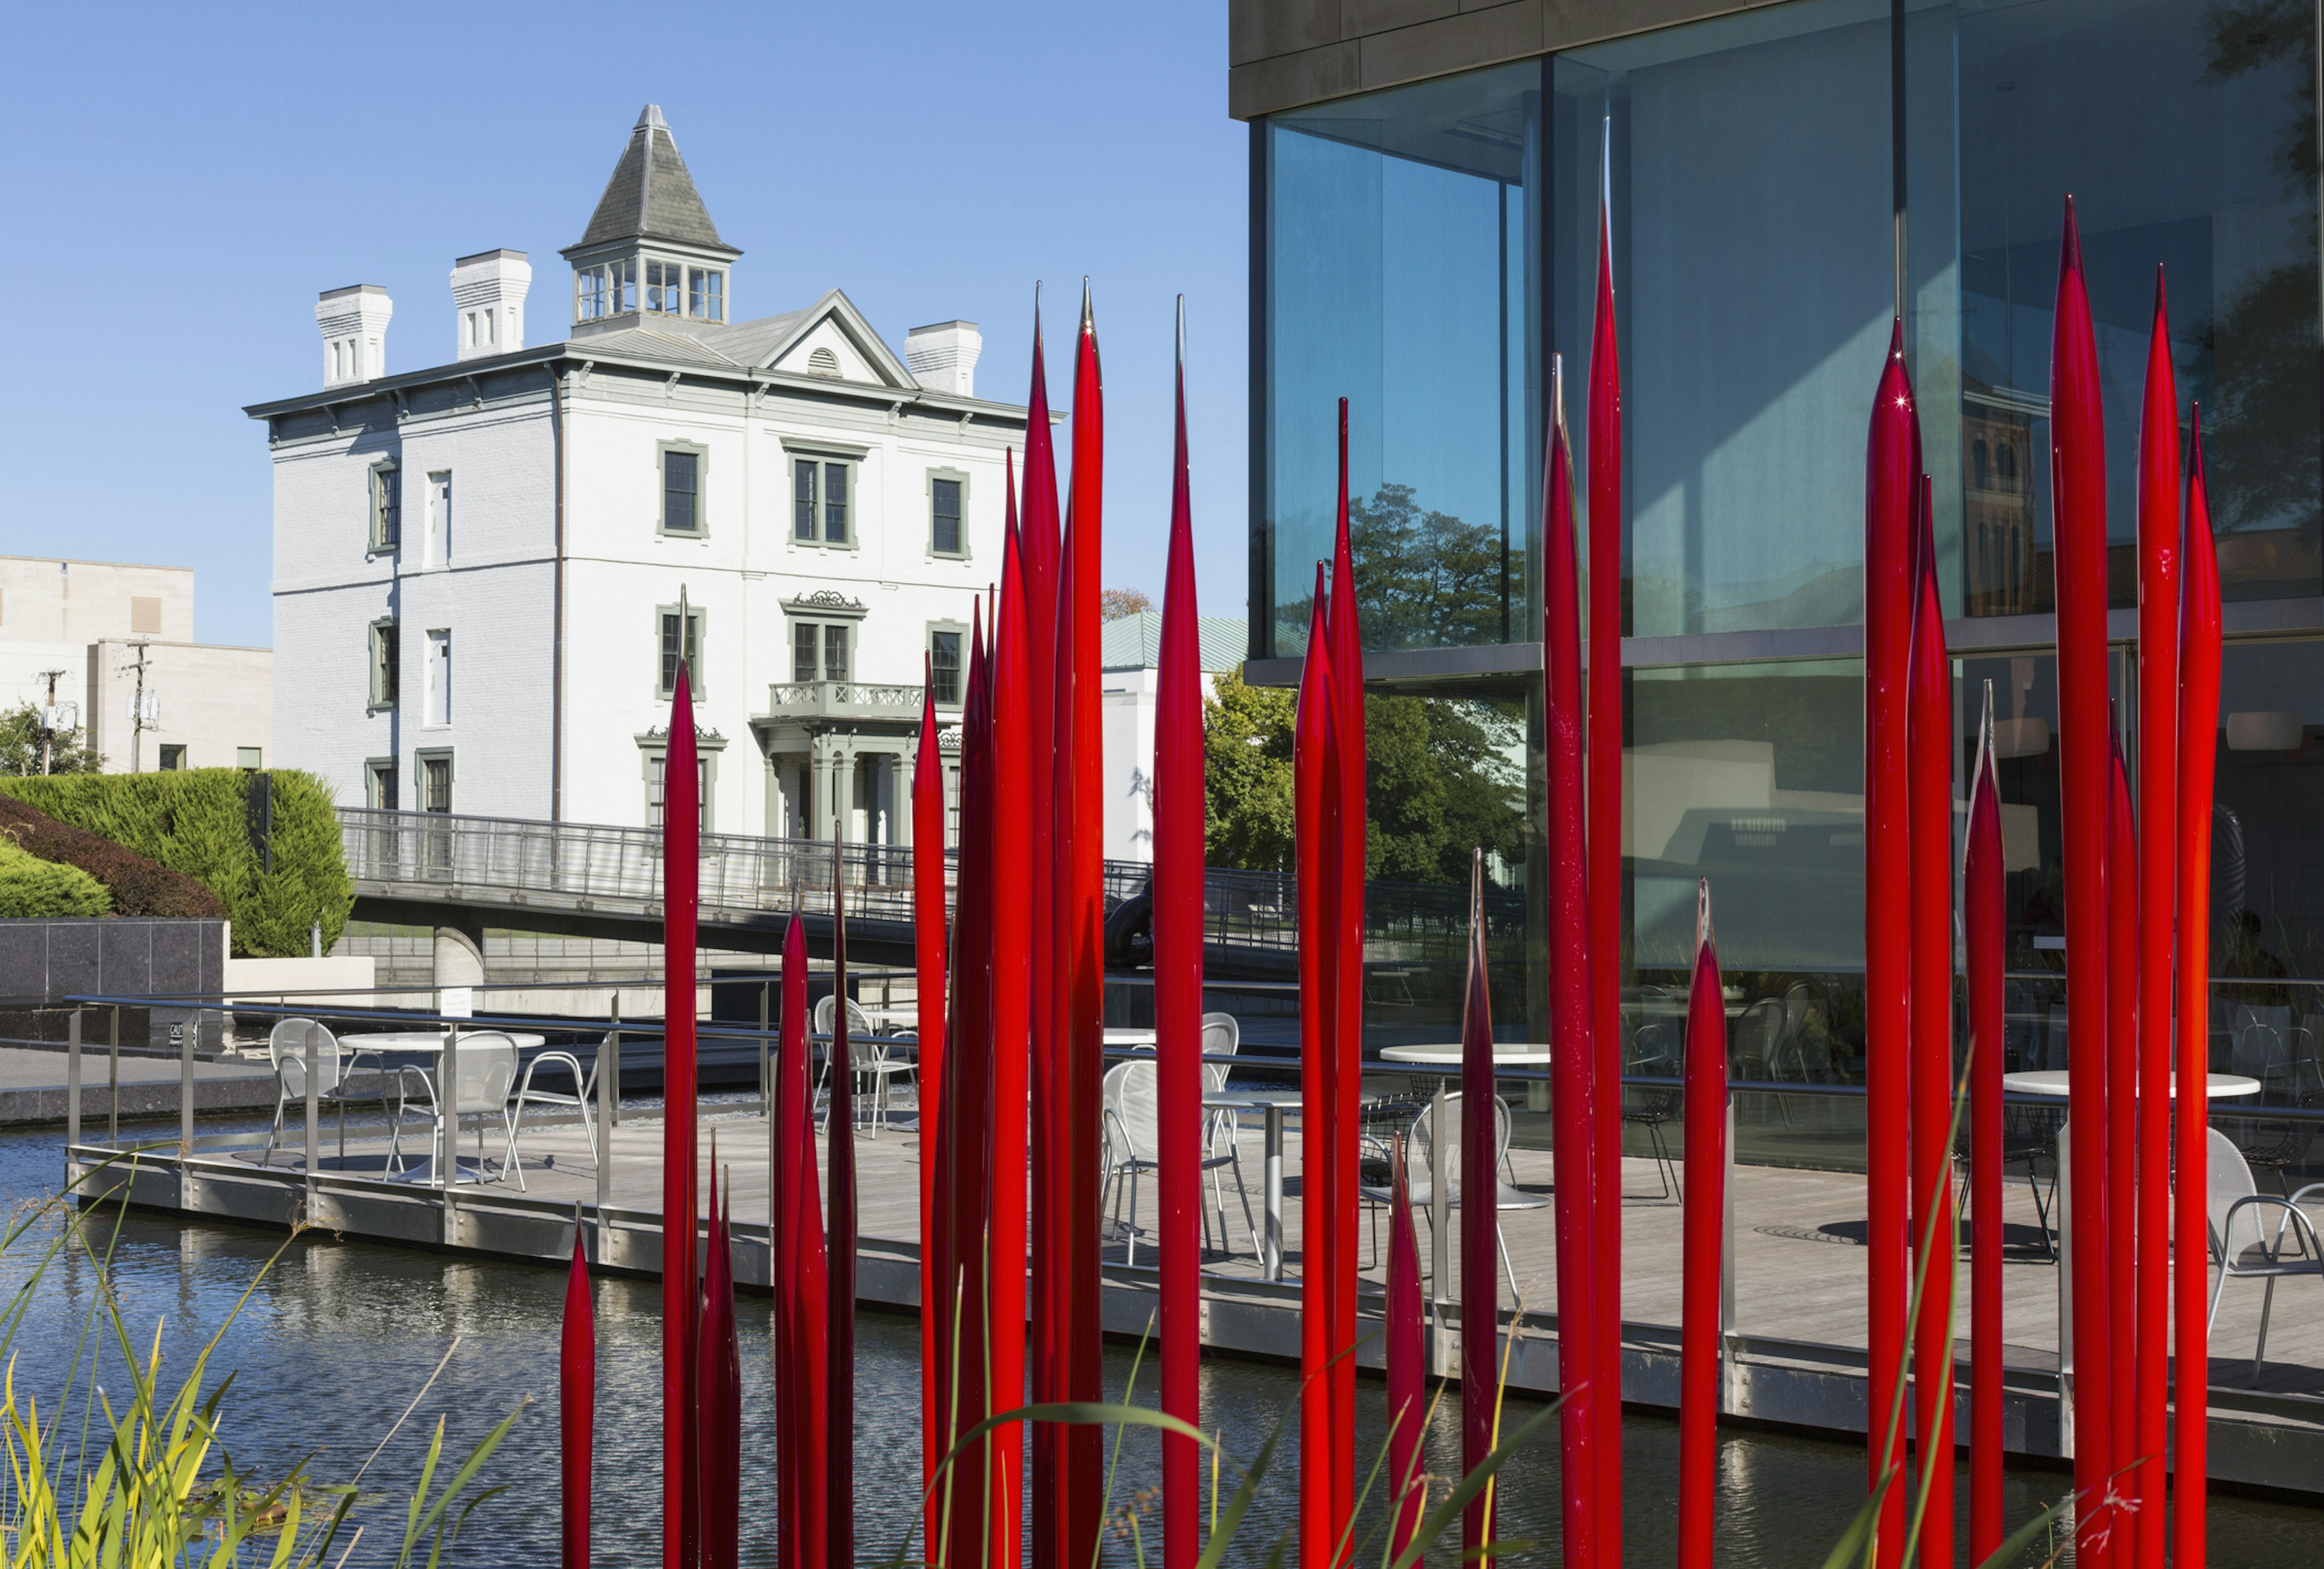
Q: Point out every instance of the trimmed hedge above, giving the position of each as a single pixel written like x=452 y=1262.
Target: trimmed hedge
x=31 y=887
x=195 y=821
x=138 y=884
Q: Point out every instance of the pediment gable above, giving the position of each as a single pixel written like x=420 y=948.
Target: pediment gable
x=831 y=340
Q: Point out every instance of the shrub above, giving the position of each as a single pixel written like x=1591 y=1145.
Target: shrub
x=138 y=884
x=196 y=821
x=30 y=887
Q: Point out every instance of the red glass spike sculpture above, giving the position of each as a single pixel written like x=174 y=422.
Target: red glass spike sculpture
x=1178 y=806
x=1408 y=1371
x=576 y=1404
x=1315 y=807
x=1012 y=949
x=968 y=1113
x=718 y=1400
x=2199 y=722
x=1701 y=1246
x=680 y=876
x=2122 y=1137
x=839 y=1143
x=2078 y=508
x=1935 y=1236
x=929 y=946
x=1573 y=1062
x=1078 y=806
x=801 y=1304
x=1479 y=1191
x=2159 y=532
x=1983 y=916
x=1605 y=814
x=1892 y=483
x=1038 y=525
x=1348 y=980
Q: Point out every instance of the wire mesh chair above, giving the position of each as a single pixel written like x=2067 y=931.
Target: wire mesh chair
x=2292 y=1249
x=868 y=1059
x=290 y=1046
x=1131 y=1094
x=1420 y=1171
x=487 y=1072
x=1651 y=1107
x=584 y=1088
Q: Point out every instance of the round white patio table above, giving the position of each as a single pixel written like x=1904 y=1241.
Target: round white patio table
x=1132 y=1037
x=1274 y=1103
x=430 y=1043
x=2052 y=1082
x=1505 y=1054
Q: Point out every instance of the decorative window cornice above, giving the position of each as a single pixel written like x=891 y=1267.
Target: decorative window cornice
x=827 y=603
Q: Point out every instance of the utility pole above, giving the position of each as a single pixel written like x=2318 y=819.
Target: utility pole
x=48 y=722
x=138 y=720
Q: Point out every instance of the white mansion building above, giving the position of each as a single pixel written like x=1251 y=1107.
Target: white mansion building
x=478 y=567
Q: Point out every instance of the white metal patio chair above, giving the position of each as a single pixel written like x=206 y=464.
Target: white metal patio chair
x=487 y=1074
x=1131 y=1096
x=291 y=1045
x=1420 y=1171
x=584 y=1087
x=868 y=1058
x=2257 y=1236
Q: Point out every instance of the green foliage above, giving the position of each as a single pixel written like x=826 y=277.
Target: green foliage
x=137 y=884
x=1246 y=775
x=197 y=822
x=20 y=745
x=30 y=887
x=1441 y=779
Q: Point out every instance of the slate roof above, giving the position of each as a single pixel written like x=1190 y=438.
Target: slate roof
x=651 y=195
x=1134 y=642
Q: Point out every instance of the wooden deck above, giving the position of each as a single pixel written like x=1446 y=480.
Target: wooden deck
x=1797 y=1341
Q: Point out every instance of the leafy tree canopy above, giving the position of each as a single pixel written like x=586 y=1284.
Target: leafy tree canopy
x=20 y=745
x=1113 y=603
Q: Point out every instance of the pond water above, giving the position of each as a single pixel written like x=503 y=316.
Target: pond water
x=338 y=1337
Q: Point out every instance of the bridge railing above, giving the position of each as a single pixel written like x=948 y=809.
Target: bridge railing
x=605 y=863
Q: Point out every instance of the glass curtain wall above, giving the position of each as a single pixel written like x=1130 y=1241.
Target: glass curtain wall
x=1401 y=274
x=2186 y=132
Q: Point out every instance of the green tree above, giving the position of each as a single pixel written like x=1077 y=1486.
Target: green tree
x=1113 y=603
x=20 y=745
x=1246 y=775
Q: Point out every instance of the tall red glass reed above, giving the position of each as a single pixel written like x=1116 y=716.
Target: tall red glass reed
x=2199 y=730
x=1348 y=976
x=1078 y=806
x=1984 y=917
x=968 y=1113
x=2122 y=1143
x=1315 y=803
x=1408 y=1377
x=1038 y=524
x=2159 y=549
x=1012 y=997
x=1703 y=1246
x=718 y=1401
x=576 y=1404
x=928 y=944
x=1573 y=1063
x=1480 y=1190
x=1605 y=814
x=2078 y=507
x=1178 y=806
x=1935 y=1236
x=839 y=1145
x=801 y=1304
x=680 y=879
x=1892 y=481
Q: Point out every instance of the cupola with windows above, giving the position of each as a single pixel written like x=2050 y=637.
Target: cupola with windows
x=650 y=252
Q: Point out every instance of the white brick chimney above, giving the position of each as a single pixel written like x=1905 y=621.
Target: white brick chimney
x=488 y=293
x=354 y=320
x=944 y=356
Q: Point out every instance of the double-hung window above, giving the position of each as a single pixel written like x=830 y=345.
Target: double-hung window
x=384 y=666
x=589 y=297
x=820 y=488
x=676 y=643
x=665 y=287
x=807 y=650
x=819 y=650
x=386 y=507
x=946 y=494
x=944 y=666
x=835 y=651
x=705 y=294
x=681 y=489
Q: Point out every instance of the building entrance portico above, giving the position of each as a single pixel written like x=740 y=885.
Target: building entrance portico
x=839 y=760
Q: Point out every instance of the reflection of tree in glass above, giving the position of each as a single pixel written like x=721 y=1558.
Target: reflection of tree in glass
x=1441 y=781
x=2260 y=435
x=1425 y=579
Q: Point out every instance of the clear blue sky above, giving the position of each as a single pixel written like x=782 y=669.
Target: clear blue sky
x=186 y=178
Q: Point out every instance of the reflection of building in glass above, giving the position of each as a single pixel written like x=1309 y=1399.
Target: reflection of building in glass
x=1997 y=507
